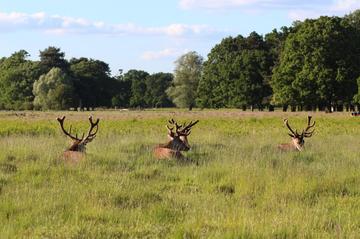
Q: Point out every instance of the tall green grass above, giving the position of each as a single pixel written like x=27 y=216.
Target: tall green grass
x=237 y=184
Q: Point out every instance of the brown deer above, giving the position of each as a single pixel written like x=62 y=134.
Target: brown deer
x=76 y=151
x=297 y=140
x=178 y=141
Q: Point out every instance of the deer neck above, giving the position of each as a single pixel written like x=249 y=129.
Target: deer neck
x=297 y=145
x=168 y=145
x=77 y=146
x=175 y=144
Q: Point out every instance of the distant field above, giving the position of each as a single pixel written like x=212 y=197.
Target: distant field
x=238 y=184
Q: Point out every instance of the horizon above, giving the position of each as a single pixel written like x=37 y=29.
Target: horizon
x=150 y=36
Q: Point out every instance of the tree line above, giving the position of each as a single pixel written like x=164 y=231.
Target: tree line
x=313 y=64
x=55 y=83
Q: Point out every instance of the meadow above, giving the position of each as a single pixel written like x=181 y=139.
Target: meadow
x=237 y=184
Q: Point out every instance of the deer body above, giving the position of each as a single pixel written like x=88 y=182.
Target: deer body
x=297 y=140
x=76 y=152
x=178 y=142
x=73 y=157
x=161 y=152
x=293 y=146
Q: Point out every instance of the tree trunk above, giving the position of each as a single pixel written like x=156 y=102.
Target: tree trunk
x=271 y=108
x=191 y=107
x=285 y=108
x=352 y=108
x=328 y=108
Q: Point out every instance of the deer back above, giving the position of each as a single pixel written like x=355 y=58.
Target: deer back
x=72 y=157
x=166 y=153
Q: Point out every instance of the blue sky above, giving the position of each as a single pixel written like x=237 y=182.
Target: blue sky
x=147 y=35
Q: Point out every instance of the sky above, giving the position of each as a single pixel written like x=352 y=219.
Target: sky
x=149 y=34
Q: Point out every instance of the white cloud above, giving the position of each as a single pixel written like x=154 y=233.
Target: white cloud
x=56 y=24
x=297 y=9
x=165 y=53
x=337 y=7
x=252 y=5
x=213 y=4
x=345 y=5
x=303 y=14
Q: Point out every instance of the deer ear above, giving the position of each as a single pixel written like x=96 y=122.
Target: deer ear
x=170 y=137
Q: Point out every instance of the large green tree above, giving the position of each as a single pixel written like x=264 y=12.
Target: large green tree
x=236 y=73
x=92 y=81
x=138 y=87
x=52 y=57
x=318 y=66
x=122 y=94
x=188 y=68
x=156 y=85
x=353 y=19
x=16 y=79
x=53 y=91
x=275 y=41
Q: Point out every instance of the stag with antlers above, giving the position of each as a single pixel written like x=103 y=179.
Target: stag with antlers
x=297 y=140
x=77 y=149
x=178 y=141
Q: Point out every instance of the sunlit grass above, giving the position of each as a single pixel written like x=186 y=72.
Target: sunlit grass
x=237 y=184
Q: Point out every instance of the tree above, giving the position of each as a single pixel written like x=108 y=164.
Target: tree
x=275 y=41
x=53 y=90
x=186 y=79
x=318 y=66
x=121 y=97
x=138 y=87
x=236 y=73
x=156 y=85
x=353 y=20
x=16 y=79
x=92 y=82
x=52 y=57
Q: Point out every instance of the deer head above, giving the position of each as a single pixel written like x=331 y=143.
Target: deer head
x=178 y=139
x=298 y=139
x=79 y=144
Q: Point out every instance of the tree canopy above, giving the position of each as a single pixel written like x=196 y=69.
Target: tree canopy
x=183 y=89
x=319 y=65
x=236 y=73
x=53 y=90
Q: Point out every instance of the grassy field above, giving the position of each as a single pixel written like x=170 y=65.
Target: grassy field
x=238 y=185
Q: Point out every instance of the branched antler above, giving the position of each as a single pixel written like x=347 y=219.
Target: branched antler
x=182 y=130
x=293 y=133
x=186 y=130
x=91 y=135
x=61 y=121
x=306 y=132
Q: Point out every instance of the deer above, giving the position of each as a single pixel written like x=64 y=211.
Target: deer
x=76 y=151
x=297 y=140
x=178 y=141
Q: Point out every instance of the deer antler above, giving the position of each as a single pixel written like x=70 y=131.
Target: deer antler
x=182 y=130
x=187 y=127
x=61 y=121
x=170 y=131
x=91 y=135
x=294 y=134
x=306 y=132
